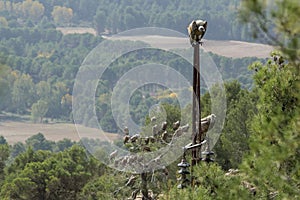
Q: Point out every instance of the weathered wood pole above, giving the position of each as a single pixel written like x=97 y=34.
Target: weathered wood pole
x=196 y=118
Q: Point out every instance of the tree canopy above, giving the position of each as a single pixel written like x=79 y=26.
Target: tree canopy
x=257 y=155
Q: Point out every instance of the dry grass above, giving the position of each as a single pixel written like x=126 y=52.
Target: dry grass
x=20 y=131
x=228 y=48
x=76 y=30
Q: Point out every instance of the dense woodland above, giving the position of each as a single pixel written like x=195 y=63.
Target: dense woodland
x=260 y=136
x=40 y=64
x=115 y=16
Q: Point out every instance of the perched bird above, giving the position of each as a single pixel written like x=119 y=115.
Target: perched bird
x=176 y=125
x=126 y=130
x=154 y=130
x=152 y=139
x=153 y=119
x=146 y=139
x=131 y=181
x=124 y=161
x=207 y=123
x=126 y=139
x=165 y=171
x=113 y=155
x=146 y=148
x=164 y=136
x=134 y=193
x=164 y=126
x=134 y=138
x=196 y=30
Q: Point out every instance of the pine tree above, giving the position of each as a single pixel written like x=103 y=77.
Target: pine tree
x=272 y=165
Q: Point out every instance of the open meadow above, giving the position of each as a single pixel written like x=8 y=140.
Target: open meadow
x=227 y=48
x=16 y=131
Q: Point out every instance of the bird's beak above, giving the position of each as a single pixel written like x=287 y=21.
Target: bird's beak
x=201 y=28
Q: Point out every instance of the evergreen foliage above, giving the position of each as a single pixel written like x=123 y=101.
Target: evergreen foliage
x=257 y=153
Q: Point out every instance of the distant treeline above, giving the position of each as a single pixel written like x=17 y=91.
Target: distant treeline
x=115 y=16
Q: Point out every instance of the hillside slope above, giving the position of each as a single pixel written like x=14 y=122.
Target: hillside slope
x=230 y=48
x=227 y=48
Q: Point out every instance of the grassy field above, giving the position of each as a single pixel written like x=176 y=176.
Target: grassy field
x=227 y=48
x=76 y=30
x=19 y=131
